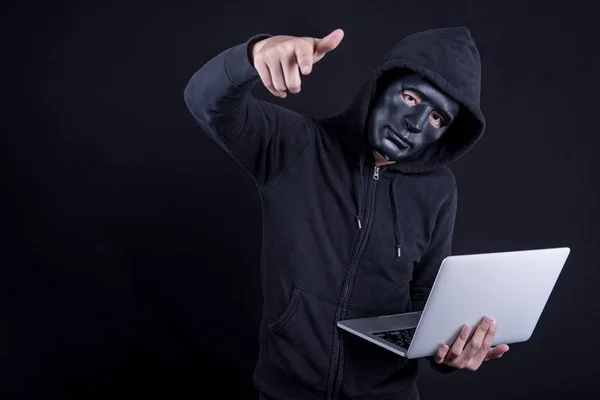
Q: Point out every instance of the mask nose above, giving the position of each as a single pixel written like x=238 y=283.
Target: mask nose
x=414 y=123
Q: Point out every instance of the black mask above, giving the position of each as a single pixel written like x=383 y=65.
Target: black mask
x=409 y=115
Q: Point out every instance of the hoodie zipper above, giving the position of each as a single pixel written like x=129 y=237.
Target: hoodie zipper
x=375 y=177
x=350 y=277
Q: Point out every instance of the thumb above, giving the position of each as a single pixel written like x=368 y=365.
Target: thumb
x=328 y=43
x=496 y=352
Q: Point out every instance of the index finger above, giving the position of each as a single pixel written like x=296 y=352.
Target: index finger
x=479 y=337
x=329 y=42
x=481 y=354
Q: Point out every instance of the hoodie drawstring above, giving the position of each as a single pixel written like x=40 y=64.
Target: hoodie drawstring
x=396 y=218
x=398 y=234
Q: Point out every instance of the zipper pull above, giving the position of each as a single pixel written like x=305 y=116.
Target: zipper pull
x=376 y=173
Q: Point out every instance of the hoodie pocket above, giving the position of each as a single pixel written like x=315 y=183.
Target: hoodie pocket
x=371 y=370
x=299 y=340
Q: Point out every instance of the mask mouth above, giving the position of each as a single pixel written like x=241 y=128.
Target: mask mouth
x=399 y=139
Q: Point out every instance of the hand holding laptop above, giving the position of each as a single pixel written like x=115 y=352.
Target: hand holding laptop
x=511 y=287
x=470 y=355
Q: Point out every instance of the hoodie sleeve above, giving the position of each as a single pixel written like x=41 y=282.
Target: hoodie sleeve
x=264 y=138
x=426 y=271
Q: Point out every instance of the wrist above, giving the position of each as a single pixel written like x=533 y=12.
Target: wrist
x=254 y=48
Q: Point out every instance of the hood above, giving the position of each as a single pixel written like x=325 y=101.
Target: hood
x=448 y=58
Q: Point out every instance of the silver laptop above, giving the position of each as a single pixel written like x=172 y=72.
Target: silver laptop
x=511 y=287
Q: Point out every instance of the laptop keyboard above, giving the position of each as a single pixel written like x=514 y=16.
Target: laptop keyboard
x=400 y=337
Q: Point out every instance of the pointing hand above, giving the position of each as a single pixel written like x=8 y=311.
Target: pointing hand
x=279 y=59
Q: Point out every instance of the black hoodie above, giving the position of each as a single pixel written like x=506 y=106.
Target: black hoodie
x=342 y=238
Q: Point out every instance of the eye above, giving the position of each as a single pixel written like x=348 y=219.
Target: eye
x=409 y=99
x=436 y=119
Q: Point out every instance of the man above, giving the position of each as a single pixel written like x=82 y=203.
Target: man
x=358 y=208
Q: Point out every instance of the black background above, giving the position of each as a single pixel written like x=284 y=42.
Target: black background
x=130 y=242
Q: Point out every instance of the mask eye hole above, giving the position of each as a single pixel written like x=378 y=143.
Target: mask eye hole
x=410 y=98
x=436 y=119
